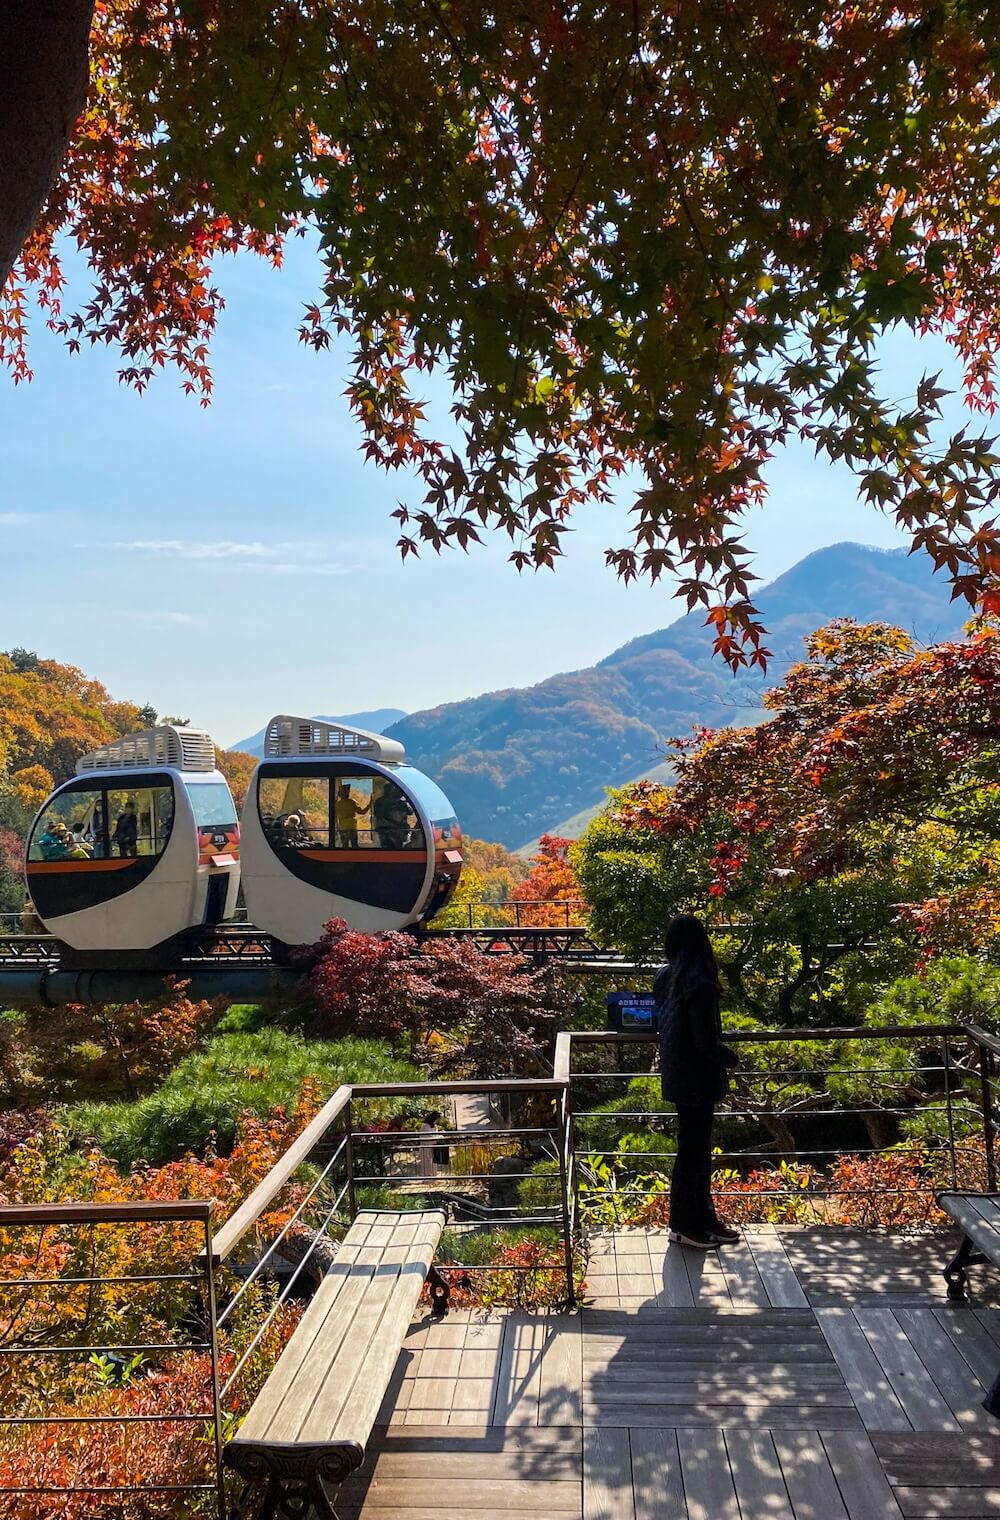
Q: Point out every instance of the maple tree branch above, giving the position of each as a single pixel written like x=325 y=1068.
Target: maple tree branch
x=44 y=45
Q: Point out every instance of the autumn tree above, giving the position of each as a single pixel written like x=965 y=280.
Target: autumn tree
x=551 y=887
x=818 y=838
x=112 y=1049
x=466 y=1012
x=648 y=247
x=238 y=768
x=51 y=714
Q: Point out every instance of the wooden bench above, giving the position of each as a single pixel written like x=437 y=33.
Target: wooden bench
x=308 y=1426
x=978 y=1217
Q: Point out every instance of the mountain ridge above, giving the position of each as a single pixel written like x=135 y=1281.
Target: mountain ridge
x=517 y=761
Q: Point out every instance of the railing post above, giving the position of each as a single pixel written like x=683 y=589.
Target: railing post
x=561 y=1067
x=946 y=1054
x=213 y=1340
x=564 y=1146
x=986 y=1069
x=352 y=1202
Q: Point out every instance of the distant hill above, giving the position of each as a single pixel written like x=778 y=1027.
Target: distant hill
x=376 y=722
x=520 y=762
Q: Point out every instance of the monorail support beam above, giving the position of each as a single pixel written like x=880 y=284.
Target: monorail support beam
x=30 y=986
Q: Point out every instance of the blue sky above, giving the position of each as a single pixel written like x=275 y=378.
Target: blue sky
x=228 y=563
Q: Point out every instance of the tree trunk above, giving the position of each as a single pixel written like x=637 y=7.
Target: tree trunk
x=43 y=87
x=780 y=1132
x=295 y=1247
x=883 y=1129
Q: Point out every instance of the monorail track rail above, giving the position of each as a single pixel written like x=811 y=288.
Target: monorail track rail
x=241 y=964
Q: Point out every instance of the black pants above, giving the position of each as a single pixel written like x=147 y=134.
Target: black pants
x=691 y=1208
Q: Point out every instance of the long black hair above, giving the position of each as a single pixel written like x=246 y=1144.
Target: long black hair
x=689 y=954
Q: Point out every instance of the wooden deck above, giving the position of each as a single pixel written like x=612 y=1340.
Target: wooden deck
x=807 y=1374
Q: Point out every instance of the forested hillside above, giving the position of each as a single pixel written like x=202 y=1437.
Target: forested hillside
x=50 y=715
x=519 y=762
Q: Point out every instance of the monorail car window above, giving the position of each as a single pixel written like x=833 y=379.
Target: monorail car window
x=295 y=811
x=212 y=804
x=338 y=812
x=352 y=808
x=89 y=822
x=395 y=825
x=432 y=799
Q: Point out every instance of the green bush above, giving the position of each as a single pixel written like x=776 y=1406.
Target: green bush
x=204 y=1095
x=246 y=1018
x=606 y=1132
x=951 y=988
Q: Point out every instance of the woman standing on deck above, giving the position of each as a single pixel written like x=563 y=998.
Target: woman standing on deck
x=694 y=1074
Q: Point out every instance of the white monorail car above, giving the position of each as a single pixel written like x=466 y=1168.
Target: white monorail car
x=337 y=825
x=140 y=846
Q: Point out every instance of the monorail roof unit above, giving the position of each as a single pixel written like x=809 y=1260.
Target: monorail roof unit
x=168 y=746
x=289 y=738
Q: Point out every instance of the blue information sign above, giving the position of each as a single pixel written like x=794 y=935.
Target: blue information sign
x=628 y=1010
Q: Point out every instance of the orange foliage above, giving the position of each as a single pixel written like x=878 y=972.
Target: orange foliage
x=115 y=1048
x=237 y=767
x=552 y=884
x=51 y=714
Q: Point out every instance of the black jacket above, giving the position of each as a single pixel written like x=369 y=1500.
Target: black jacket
x=693 y=1060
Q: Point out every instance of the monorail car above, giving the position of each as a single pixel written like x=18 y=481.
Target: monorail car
x=337 y=825
x=140 y=846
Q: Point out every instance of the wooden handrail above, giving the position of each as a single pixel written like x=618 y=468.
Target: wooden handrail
x=765 y=1036
x=246 y=1216
x=442 y=1089
x=144 y=1211
x=981 y=1037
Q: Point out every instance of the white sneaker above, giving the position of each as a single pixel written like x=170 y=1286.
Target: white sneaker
x=697 y=1242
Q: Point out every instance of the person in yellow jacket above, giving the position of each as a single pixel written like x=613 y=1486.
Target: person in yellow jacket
x=348 y=811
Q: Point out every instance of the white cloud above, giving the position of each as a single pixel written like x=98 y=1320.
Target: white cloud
x=181 y=548
x=269 y=559
x=14 y=519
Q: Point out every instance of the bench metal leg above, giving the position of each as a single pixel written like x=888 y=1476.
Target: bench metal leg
x=440 y=1293
x=991 y=1403
x=955 y=1274
x=294 y=1479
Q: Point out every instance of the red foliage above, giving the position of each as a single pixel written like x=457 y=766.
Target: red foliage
x=551 y=883
x=468 y=1011
x=867 y=731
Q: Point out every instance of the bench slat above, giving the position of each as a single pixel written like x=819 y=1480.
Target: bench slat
x=345 y=1280
x=978 y=1216
x=363 y=1369
x=339 y=1331
x=305 y=1359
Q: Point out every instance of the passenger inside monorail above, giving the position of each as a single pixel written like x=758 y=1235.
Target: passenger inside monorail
x=74 y=826
x=368 y=813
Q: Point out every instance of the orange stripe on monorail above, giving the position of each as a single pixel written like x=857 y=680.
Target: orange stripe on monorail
x=54 y=867
x=365 y=855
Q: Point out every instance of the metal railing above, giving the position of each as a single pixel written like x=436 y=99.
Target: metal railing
x=512 y=913
x=548 y=1129
x=353 y=1157
x=795 y=1116
x=69 y=1315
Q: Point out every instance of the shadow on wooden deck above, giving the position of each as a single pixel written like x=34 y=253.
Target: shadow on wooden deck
x=808 y=1374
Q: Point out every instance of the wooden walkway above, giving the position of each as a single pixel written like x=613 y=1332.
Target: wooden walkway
x=803 y=1375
